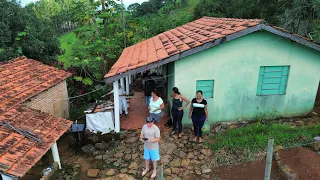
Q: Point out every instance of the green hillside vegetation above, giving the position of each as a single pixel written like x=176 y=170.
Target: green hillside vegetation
x=100 y=36
x=66 y=43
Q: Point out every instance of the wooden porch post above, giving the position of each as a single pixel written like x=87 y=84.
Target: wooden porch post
x=122 y=83
x=130 y=79
x=55 y=154
x=116 y=106
x=127 y=86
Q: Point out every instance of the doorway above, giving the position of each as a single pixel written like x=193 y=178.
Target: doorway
x=317 y=101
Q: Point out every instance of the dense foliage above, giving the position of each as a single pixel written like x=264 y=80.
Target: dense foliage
x=298 y=16
x=92 y=35
x=22 y=33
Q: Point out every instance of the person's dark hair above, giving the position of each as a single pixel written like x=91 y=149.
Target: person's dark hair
x=176 y=90
x=156 y=92
x=150 y=119
x=199 y=91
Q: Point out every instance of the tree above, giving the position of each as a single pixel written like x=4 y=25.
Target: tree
x=133 y=7
x=300 y=16
x=25 y=35
x=268 y=10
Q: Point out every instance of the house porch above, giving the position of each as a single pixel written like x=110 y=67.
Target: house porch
x=138 y=111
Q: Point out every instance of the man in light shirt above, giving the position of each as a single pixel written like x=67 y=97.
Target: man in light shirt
x=150 y=135
x=123 y=106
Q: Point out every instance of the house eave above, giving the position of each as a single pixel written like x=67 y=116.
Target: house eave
x=216 y=42
x=293 y=37
x=185 y=53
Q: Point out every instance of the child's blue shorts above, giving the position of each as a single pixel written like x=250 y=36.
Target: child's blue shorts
x=152 y=155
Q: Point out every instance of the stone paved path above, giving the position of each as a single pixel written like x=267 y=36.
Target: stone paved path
x=181 y=158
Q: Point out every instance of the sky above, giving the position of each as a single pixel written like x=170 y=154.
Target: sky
x=125 y=2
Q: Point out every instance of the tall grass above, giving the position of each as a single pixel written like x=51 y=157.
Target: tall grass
x=254 y=138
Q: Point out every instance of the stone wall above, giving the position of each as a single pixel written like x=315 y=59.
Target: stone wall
x=52 y=101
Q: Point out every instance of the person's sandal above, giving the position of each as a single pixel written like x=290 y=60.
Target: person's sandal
x=200 y=140
x=144 y=172
x=194 y=139
x=180 y=135
x=154 y=174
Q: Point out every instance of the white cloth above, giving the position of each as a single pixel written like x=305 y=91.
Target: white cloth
x=123 y=106
x=155 y=105
x=100 y=122
x=121 y=91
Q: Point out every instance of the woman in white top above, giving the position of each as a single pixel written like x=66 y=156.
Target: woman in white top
x=155 y=106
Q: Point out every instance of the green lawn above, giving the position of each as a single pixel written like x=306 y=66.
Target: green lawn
x=254 y=138
x=181 y=12
x=66 y=42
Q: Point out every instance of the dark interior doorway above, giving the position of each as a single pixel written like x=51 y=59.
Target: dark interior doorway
x=317 y=102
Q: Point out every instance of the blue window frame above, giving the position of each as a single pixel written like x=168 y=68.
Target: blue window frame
x=273 y=80
x=206 y=86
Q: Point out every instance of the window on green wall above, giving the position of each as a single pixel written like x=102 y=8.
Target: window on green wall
x=206 y=86
x=272 y=80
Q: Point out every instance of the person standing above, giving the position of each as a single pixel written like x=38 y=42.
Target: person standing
x=123 y=106
x=177 y=110
x=199 y=114
x=150 y=135
x=155 y=106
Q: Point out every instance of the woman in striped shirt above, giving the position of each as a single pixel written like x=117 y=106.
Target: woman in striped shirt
x=199 y=114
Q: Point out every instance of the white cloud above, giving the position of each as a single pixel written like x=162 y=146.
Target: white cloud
x=25 y=2
x=128 y=2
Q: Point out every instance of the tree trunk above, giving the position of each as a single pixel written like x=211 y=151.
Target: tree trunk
x=104 y=18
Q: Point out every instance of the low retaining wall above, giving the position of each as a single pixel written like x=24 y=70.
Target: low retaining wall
x=286 y=172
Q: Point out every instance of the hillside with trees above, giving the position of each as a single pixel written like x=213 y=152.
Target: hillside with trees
x=86 y=37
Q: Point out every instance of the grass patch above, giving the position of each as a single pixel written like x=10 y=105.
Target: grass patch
x=66 y=43
x=254 y=138
x=247 y=144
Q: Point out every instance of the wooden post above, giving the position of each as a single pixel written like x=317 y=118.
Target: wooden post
x=116 y=106
x=127 y=86
x=122 y=82
x=267 y=172
x=160 y=172
x=55 y=154
x=130 y=79
x=5 y=177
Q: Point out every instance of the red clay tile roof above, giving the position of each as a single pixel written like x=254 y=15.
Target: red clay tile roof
x=21 y=79
x=18 y=153
x=183 y=38
x=178 y=40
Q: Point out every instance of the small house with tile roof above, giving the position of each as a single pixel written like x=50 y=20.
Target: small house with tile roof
x=33 y=108
x=245 y=67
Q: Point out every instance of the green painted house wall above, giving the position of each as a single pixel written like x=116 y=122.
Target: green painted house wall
x=234 y=66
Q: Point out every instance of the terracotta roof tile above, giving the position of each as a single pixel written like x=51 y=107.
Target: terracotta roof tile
x=18 y=153
x=178 y=40
x=21 y=79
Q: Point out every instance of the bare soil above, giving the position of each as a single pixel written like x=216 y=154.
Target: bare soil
x=252 y=171
x=304 y=162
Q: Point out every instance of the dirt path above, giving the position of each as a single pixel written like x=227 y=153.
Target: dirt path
x=304 y=162
x=252 y=171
